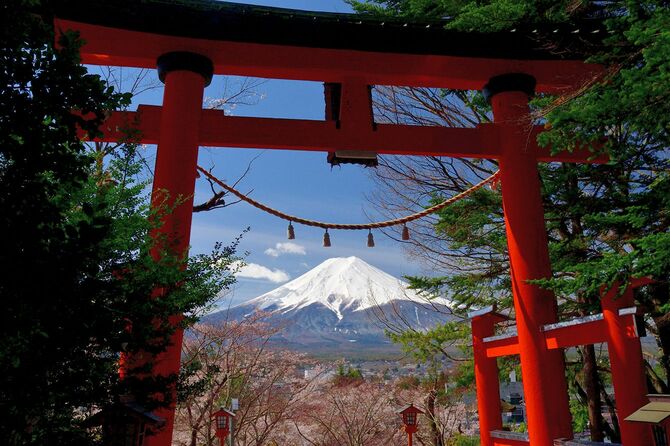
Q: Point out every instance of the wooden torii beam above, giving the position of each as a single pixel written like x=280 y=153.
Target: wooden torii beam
x=111 y=45
x=218 y=130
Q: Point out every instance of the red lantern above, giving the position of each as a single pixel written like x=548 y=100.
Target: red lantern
x=409 y=419
x=223 y=419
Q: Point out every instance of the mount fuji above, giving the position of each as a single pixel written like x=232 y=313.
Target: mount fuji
x=340 y=306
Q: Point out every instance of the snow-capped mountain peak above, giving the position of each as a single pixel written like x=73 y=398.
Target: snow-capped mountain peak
x=326 y=309
x=340 y=283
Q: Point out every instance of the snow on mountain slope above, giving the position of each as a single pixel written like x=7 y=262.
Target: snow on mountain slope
x=341 y=307
x=340 y=284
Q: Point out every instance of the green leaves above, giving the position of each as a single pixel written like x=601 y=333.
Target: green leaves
x=473 y=222
x=490 y=16
x=441 y=340
x=494 y=16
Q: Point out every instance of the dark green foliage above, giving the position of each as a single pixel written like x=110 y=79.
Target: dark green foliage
x=625 y=205
x=441 y=340
x=347 y=375
x=478 y=16
x=462 y=440
x=348 y=372
x=76 y=274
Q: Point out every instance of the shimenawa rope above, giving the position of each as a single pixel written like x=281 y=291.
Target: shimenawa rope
x=375 y=225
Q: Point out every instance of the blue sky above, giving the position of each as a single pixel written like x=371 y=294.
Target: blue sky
x=300 y=183
x=309 y=5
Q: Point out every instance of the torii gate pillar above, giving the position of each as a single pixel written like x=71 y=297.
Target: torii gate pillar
x=185 y=76
x=486 y=374
x=627 y=363
x=542 y=370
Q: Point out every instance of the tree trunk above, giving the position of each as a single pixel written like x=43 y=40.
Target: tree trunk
x=194 y=437
x=615 y=432
x=660 y=294
x=654 y=382
x=430 y=407
x=591 y=384
x=663 y=325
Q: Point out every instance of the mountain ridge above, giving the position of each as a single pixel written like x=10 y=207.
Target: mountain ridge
x=340 y=302
x=338 y=277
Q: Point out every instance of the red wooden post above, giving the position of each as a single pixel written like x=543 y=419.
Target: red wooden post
x=628 y=374
x=486 y=376
x=543 y=370
x=185 y=76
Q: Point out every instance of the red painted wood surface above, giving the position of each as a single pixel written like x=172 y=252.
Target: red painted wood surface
x=543 y=370
x=594 y=332
x=589 y=333
x=112 y=46
x=627 y=363
x=486 y=378
x=218 y=130
x=502 y=347
x=174 y=182
x=508 y=442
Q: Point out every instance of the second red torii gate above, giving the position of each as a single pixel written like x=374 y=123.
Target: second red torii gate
x=190 y=42
x=616 y=325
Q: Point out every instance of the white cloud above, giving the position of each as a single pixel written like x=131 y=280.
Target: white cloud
x=256 y=271
x=286 y=248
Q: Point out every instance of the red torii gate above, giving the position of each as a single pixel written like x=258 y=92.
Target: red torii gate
x=189 y=42
x=616 y=325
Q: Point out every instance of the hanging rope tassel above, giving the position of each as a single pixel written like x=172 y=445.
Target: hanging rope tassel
x=290 y=231
x=371 y=239
x=405 y=233
x=495 y=184
x=326 y=239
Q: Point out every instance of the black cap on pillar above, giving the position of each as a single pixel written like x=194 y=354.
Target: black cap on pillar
x=185 y=60
x=509 y=82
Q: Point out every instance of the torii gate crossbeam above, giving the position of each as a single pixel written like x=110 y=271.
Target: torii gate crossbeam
x=218 y=130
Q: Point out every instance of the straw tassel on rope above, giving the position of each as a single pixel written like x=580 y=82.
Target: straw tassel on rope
x=405 y=233
x=290 y=232
x=326 y=239
x=371 y=239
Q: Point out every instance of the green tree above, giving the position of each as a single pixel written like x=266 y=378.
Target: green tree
x=76 y=273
